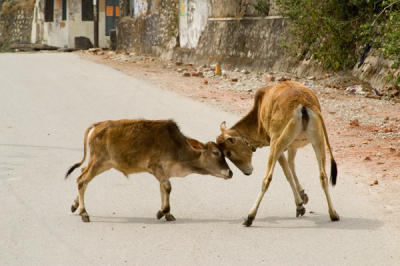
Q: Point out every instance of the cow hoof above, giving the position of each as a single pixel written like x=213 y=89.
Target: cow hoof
x=160 y=215
x=300 y=211
x=248 y=221
x=73 y=208
x=85 y=218
x=334 y=216
x=169 y=217
x=304 y=197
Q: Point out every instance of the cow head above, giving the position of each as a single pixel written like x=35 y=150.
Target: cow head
x=212 y=160
x=236 y=148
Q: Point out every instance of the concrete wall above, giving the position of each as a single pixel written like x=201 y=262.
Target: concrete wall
x=62 y=33
x=193 y=21
x=238 y=8
x=374 y=70
x=248 y=42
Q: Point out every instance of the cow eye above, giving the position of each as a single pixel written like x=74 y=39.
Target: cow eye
x=228 y=154
x=216 y=153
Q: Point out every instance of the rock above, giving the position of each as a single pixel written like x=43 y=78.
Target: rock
x=367 y=158
x=234 y=79
x=309 y=83
x=205 y=82
x=244 y=71
x=354 y=123
x=388 y=129
x=283 y=79
x=178 y=63
x=356 y=89
x=376 y=92
x=95 y=50
x=270 y=79
x=376 y=182
x=186 y=74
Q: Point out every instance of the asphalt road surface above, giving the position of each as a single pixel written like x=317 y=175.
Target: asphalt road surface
x=48 y=99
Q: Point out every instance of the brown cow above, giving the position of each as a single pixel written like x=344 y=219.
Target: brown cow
x=286 y=116
x=157 y=147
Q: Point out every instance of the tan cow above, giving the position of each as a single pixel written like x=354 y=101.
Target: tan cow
x=286 y=116
x=157 y=147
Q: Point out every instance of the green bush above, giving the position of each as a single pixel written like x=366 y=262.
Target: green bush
x=332 y=31
x=262 y=7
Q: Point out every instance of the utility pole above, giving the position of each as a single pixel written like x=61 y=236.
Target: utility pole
x=96 y=22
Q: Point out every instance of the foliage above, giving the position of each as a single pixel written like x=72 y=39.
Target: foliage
x=332 y=31
x=262 y=7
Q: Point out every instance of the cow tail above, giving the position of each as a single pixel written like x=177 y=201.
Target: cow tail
x=333 y=162
x=70 y=170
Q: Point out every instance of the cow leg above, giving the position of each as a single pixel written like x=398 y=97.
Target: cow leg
x=264 y=187
x=300 y=210
x=75 y=205
x=92 y=170
x=291 y=155
x=160 y=214
x=278 y=145
x=165 y=189
x=316 y=137
x=168 y=216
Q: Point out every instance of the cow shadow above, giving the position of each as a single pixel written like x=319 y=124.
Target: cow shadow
x=314 y=221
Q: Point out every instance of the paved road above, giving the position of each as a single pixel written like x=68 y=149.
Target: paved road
x=46 y=102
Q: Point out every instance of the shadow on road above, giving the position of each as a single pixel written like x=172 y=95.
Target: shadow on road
x=307 y=222
x=41 y=147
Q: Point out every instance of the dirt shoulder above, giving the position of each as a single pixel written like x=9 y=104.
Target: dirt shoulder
x=363 y=130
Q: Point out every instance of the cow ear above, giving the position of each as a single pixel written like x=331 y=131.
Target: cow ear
x=222 y=126
x=196 y=145
x=231 y=140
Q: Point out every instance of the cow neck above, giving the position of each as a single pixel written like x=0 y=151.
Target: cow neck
x=192 y=161
x=247 y=128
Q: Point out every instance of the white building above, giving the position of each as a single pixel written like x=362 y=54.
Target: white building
x=58 y=22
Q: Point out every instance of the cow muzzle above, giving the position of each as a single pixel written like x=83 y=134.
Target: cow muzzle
x=227 y=174
x=248 y=170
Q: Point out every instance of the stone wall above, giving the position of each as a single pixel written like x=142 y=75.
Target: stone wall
x=15 y=26
x=154 y=31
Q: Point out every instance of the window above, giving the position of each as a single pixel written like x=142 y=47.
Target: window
x=64 y=9
x=49 y=10
x=87 y=10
